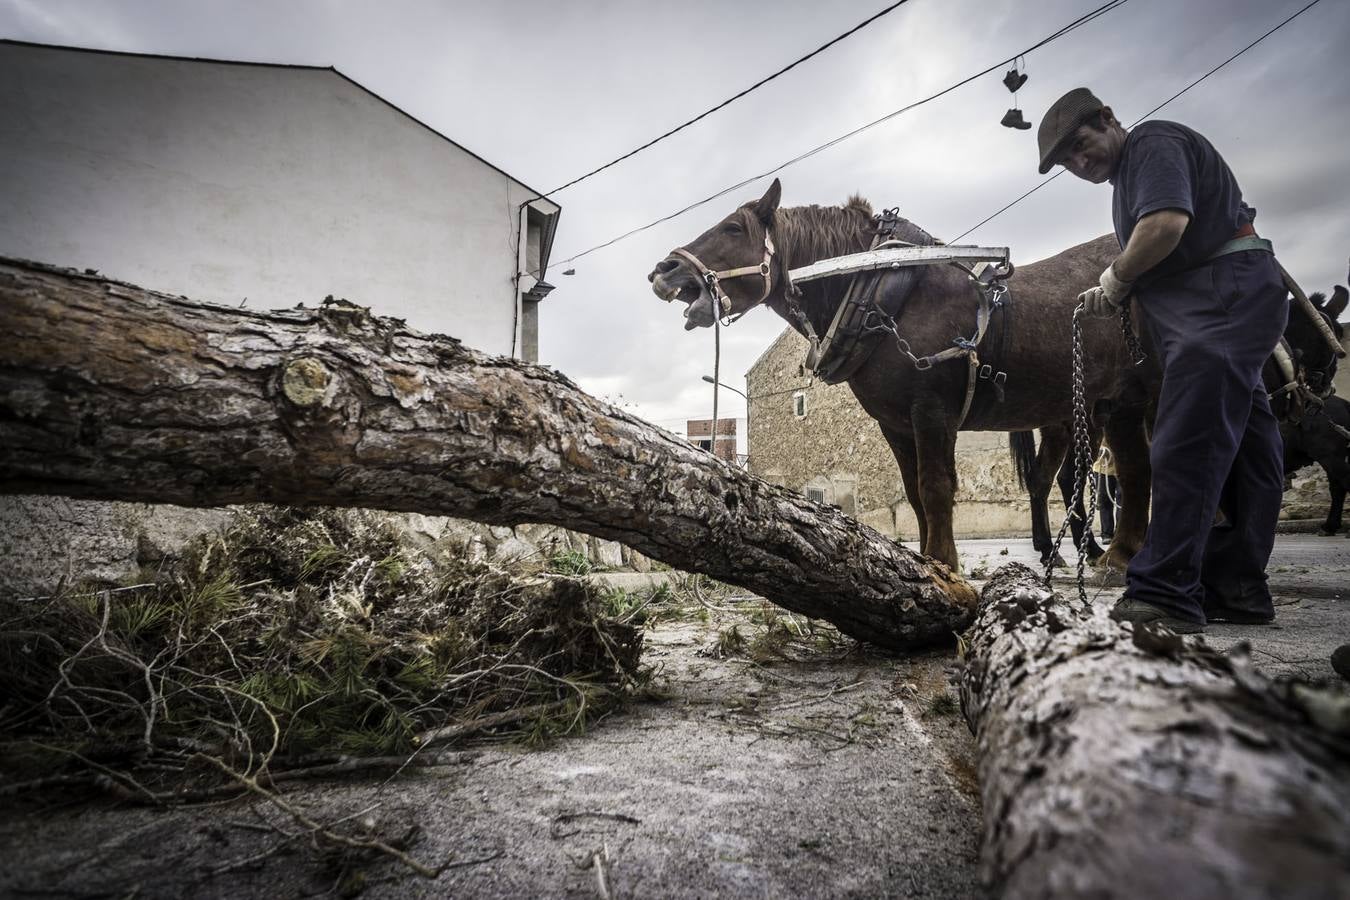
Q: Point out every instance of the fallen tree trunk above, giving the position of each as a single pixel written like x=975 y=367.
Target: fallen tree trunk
x=112 y=392
x=1130 y=763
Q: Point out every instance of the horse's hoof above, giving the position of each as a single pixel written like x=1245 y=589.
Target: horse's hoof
x=1055 y=562
x=1114 y=559
x=1328 y=532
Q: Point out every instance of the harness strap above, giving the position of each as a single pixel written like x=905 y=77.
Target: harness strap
x=849 y=301
x=1284 y=361
x=990 y=298
x=972 y=377
x=713 y=278
x=1293 y=387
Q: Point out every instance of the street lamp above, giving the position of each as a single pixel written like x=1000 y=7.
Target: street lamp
x=711 y=380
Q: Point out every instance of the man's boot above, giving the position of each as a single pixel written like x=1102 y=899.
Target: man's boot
x=1013 y=119
x=1012 y=81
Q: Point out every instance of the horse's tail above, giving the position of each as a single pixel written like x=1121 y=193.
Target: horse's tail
x=1022 y=446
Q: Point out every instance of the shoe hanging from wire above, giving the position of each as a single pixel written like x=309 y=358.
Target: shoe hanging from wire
x=1013 y=80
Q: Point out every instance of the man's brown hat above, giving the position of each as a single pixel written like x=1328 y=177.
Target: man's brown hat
x=1061 y=120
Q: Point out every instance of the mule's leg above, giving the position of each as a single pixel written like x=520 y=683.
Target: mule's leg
x=1338 y=478
x=1333 y=523
x=1055 y=441
x=935 y=441
x=906 y=457
x=1129 y=446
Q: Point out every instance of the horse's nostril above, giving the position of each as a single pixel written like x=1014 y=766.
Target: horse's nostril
x=666 y=266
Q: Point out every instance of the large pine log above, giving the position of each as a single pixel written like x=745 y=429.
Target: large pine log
x=112 y=392
x=1132 y=763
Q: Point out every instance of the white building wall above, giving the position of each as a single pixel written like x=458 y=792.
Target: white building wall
x=280 y=185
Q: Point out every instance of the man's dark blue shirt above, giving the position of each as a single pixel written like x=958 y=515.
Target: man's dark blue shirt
x=1164 y=165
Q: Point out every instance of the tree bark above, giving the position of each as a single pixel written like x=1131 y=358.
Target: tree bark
x=112 y=392
x=1119 y=762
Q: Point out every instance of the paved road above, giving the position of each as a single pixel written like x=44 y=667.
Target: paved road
x=1309 y=576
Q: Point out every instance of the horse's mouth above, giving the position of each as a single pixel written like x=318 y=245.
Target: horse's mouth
x=694 y=295
x=699 y=313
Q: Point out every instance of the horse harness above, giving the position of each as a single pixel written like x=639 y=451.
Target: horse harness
x=868 y=312
x=1307 y=390
x=713 y=279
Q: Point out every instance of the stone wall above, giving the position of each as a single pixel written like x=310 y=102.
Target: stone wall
x=45 y=540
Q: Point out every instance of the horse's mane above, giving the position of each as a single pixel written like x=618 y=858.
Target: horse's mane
x=806 y=233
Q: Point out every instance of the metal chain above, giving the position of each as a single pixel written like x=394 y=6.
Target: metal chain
x=1082 y=464
x=1082 y=445
x=1127 y=329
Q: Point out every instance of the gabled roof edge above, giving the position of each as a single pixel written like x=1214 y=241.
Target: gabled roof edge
x=275 y=65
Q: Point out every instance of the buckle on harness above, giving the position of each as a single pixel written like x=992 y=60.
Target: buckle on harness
x=986 y=372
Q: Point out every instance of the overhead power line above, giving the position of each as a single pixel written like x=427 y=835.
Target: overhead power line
x=732 y=99
x=1002 y=210
x=1066 y=29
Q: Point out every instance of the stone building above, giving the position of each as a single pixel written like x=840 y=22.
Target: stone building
x=700 y=432
x=815 y=438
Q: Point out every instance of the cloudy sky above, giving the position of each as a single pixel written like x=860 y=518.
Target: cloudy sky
x=549 y=89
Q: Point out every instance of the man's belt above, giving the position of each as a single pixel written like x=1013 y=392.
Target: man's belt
x=1239 y=244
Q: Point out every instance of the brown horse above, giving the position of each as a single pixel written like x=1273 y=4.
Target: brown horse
x=918 y=411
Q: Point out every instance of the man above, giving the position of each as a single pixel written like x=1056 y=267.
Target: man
x=1209 y=291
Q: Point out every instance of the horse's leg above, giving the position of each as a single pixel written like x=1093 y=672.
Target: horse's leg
x=1055 y=440
x=935 y=441
x=1129 y=446
x=1078 y=515
x=902 y=445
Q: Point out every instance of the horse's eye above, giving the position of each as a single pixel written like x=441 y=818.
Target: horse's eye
x=733 y=228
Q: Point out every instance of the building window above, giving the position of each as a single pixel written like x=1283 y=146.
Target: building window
x=815 y=494
x=705 y=444
x=799 y=405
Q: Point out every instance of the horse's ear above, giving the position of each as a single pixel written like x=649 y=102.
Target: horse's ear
x=766 y=205
x=1339 y=297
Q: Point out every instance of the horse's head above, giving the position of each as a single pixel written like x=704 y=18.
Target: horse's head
x=726 y=270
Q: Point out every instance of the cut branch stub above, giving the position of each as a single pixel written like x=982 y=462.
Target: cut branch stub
x=307 y=383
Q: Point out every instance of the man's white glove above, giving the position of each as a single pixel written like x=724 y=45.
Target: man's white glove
x=1104 y=300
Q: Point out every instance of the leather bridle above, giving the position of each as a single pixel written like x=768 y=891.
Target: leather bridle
x=713 y=279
